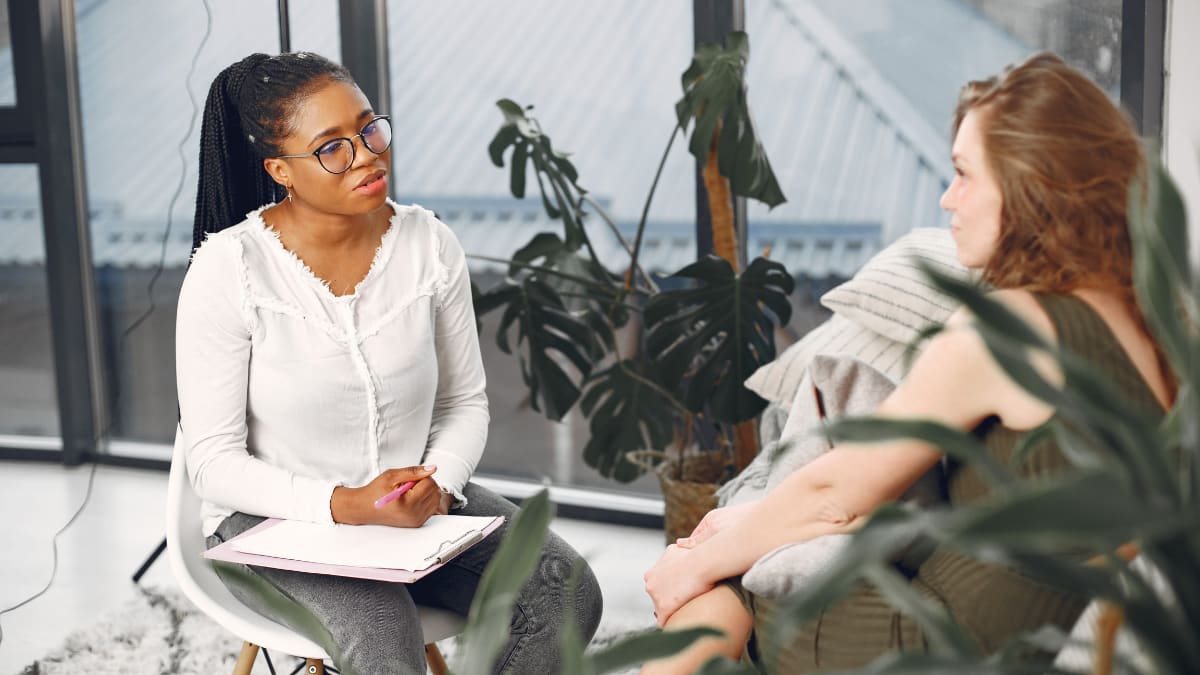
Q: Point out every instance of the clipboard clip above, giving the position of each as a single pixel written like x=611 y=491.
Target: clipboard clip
x=452 y=547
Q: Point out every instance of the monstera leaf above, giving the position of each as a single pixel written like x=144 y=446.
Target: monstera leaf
x=544 y=327
x=584 y=285
x=555 y=175
x=710 y=338
x=625 y=413
x=712 y=92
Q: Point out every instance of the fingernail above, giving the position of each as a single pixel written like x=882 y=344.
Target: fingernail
x=429 y=467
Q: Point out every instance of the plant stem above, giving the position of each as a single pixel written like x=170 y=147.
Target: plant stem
x=720 y=207
x=641 y=226
x=745 y=443
x=649 y=383
x=592 y=283
x=614 y=303
x=612 y=225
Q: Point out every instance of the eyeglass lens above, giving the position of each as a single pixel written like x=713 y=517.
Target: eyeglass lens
x=337 y=155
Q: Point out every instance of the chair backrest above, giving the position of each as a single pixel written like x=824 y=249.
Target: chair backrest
x=200 y=583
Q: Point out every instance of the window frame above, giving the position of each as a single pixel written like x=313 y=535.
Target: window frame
x=43 y=128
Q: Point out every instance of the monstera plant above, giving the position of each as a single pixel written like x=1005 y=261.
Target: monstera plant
x=648 y=367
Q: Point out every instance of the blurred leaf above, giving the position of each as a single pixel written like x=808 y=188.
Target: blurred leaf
x=1102 y=416
x=944 y=634
x=890 y=529
x=299 y=618
x=624 y=414
x=721 y=665
x=911 y=663
x=988 y=311
x=713 y=92
x=1089 y=509
x=913 y=349
x=953 y=442
x=717 y=334
x=648 y=646
x=489 y=621
x=1166 y=290
x=938 y=627
x=571 y=642
x=1165 y=619
x=1032 y=440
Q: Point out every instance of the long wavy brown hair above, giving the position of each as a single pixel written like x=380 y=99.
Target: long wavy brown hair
x=1065 y=157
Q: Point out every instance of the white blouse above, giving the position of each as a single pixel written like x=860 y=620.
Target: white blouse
x=287 y=391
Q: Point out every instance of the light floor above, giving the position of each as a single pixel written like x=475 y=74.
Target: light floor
x=123 y=522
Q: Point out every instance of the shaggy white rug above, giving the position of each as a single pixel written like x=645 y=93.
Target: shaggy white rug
x=160 y=631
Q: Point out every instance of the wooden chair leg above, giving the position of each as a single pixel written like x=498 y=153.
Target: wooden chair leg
x=437 y=664
x=245 y=660
x=314 y=666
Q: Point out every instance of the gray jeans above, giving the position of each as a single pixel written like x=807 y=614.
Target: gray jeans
x=373 y=621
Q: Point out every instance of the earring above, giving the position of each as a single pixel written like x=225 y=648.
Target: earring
x=289 y=193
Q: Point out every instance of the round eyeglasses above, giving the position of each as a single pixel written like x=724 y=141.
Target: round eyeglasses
x=337 y=156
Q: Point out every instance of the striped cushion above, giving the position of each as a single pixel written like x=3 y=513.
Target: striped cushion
x=778 y=380
x=891 y=296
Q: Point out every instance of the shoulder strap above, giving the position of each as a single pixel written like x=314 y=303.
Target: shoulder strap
x=1082 y=331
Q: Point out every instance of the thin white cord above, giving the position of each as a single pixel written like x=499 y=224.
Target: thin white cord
x=136 y=322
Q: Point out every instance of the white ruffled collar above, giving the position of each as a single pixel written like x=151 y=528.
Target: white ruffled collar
x=378 y=262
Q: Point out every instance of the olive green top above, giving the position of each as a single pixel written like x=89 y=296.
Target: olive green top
x=994 y=603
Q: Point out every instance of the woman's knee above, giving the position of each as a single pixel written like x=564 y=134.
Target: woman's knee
x=564 y=579
x=589 y=601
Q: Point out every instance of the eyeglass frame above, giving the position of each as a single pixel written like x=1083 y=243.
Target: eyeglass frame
x=353 y=146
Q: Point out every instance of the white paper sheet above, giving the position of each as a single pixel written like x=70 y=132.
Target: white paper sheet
x=362 y=545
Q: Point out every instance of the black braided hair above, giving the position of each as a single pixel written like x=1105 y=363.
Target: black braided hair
x=250 y=108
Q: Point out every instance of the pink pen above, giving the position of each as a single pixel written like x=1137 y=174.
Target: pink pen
x=393 y=495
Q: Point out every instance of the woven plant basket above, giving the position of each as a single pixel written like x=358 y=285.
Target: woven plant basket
x=687 y=494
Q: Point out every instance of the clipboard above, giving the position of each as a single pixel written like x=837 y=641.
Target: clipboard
x=447 y=551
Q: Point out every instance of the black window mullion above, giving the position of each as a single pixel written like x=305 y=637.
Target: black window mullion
x=58 y=151
x=712 y=20
x=363 y=25
x=1143 y=41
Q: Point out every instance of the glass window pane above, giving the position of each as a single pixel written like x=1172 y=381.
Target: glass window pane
x=8 y=88
x=854 y=102
x=1085 y=33
x=315 y=27
x=141 y=144
x=604 y=79
x=28 y=402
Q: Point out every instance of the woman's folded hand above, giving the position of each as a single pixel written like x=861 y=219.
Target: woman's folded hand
x=673 y=581
x=356 y=506
x=713 y=522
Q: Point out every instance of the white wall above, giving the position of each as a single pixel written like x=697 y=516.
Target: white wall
x=1181 y=132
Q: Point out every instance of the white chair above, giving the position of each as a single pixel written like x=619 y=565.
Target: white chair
x=201 y=585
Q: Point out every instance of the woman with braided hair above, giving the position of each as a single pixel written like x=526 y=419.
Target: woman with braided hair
x=326 y=353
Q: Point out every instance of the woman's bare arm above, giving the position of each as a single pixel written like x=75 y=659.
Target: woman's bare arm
x=955 y=382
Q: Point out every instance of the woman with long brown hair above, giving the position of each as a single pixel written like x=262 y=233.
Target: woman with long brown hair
x=1043 y=161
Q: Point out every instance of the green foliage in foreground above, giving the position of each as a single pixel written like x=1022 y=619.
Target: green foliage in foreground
x=487 y=627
